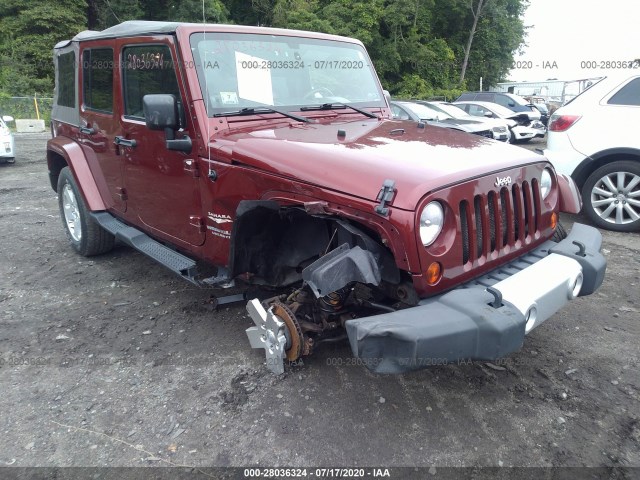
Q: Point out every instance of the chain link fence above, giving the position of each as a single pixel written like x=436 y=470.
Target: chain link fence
x=27 y=107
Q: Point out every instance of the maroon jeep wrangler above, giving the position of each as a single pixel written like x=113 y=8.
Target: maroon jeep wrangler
x=269 y=157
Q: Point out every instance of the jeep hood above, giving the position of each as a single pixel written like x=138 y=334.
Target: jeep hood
x=419 y=160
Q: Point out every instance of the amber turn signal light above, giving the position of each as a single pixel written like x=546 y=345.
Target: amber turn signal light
x=434 y=273
x=554 y=220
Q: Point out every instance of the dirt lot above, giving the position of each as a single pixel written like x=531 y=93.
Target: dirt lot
x=112 y=361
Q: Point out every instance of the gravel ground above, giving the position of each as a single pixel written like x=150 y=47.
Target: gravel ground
x=112 y=361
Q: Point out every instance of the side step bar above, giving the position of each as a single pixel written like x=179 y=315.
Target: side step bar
x=174 y=261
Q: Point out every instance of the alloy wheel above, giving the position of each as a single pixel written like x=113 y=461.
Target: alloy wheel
x=71 y=213
x=616 y=198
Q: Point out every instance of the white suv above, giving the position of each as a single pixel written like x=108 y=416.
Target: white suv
x=594 y=139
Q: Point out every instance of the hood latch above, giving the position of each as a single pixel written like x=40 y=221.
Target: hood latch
x=385 y=197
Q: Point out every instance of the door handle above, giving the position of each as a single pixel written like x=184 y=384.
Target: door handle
x=125 y=142
x=87 y=130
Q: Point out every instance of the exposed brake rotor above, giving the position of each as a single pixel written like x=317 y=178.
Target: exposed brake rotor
x=295 y=337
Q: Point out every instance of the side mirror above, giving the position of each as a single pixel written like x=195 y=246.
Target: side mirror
x=511 y=104
x=488 y=114
x=387 y=95
x=161 y=112
x=7 y=118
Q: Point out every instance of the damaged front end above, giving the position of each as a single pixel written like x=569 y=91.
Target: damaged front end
x=356 y=279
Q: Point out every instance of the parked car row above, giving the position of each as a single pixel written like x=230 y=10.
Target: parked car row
x=510 y=101
x=486 y=119
x=523 y=125
x=420 y=111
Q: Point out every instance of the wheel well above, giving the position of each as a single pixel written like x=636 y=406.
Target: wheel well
x=56 y=163
x=275 y=244
x=587 y=167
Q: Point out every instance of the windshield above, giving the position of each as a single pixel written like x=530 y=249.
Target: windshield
x=518 y=100
x=238 y=71
x=478 y=109
x=451 y=110
x=425 y=112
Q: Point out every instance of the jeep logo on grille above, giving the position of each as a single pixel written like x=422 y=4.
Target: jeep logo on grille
x=503 y=182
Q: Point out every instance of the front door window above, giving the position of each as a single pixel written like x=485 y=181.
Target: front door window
x=148 y=70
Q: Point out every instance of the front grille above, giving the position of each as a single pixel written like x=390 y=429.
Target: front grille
x=500 y=129
x=498 y=219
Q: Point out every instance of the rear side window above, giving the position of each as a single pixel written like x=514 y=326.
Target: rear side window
x=476 y=110
x=504 y=101
x=147 y=69
x=97 y=79
x=66 y=79
x=627 y=95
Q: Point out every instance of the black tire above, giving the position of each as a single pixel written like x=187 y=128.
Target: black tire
x=92 y=239
x=631 y=169
x=560 y=233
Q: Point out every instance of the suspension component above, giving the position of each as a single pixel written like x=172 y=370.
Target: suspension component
x=334 y=301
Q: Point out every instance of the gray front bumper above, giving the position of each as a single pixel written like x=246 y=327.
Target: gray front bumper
x=463 y=325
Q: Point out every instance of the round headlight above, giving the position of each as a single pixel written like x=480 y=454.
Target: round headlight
x=545 y=183
x=431 y=220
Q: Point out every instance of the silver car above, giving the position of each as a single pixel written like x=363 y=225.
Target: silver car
x=499 y=127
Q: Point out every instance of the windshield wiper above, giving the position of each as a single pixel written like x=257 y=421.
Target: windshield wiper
x=259 y=110
x=338 y=105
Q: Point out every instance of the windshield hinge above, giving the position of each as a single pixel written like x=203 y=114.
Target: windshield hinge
x=385 y=197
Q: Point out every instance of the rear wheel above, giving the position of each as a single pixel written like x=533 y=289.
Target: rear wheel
x=611 y=196
x=85 y=235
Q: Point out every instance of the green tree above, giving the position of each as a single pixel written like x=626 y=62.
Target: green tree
x=477 y=9
x=28 y=32
x=299 y=15
x=420 y=47
x=498 y=35
x=112 y=12
x=254 y=12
